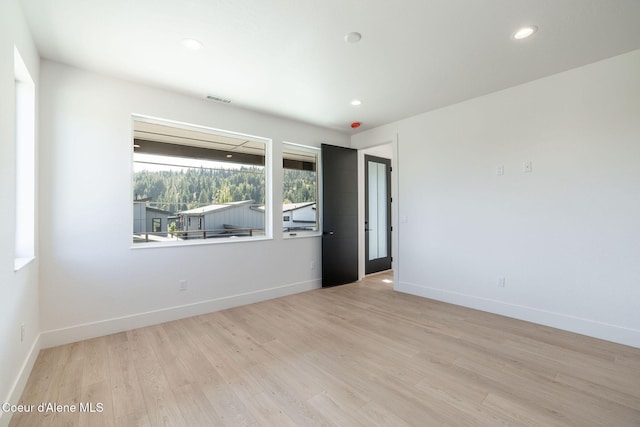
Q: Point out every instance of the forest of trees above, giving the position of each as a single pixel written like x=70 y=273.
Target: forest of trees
x=298 y=186
x=191 y=188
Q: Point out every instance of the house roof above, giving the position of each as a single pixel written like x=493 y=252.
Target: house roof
x=216 y=207
x=294 y=206
x=160 y=211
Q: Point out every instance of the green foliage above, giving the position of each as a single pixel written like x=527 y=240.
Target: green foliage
x=187 y=189
x=181 y=190
x=172 y=228
x=298 y=186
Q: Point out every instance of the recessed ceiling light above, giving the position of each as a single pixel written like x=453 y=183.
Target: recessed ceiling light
x=356 y=102
x=229 y=156
x=525 y=32
x=192 y=44
x=353 y=37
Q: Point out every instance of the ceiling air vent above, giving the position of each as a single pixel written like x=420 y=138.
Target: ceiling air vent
x=218 y=99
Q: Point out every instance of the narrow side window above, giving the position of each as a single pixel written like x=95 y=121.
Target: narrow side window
x=25 y=94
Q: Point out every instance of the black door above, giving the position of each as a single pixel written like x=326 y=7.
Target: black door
x=377 y=214
x=339 y=215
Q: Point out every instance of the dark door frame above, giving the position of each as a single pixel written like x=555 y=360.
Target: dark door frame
x=383 y=263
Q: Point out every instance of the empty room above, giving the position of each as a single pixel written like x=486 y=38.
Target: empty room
x=271 y=213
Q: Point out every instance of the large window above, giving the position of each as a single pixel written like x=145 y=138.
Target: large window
x=300 y=201
x=25 y=163
x=199 y=183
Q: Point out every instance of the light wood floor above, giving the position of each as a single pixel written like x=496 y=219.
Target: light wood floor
x=358 y=354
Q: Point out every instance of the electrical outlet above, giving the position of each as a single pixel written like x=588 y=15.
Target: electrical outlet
x=502 y=282
x=182 y=285
x=500 y=170
x=527 y=166
x=21 y=332
x=312 y=265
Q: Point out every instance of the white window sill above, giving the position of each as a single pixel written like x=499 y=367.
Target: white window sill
x=198 y=242
x=20 y=263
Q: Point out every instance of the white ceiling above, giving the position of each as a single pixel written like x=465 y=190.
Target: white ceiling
x=289 y=57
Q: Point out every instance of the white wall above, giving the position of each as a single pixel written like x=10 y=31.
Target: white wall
x=18 y=290
x=92 y=282
x=566 y=237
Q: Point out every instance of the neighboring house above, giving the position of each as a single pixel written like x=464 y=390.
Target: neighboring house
x=235 y=218
x=140 y=216
x=149 y=220
x=157 y=220
x=299 y=216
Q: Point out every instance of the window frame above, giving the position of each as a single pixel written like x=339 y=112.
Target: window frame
x=268 y=191
x=318 y=153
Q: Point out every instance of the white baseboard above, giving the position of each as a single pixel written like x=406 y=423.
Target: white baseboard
x=21 y=380
x=605 y=331
x=111 y=326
